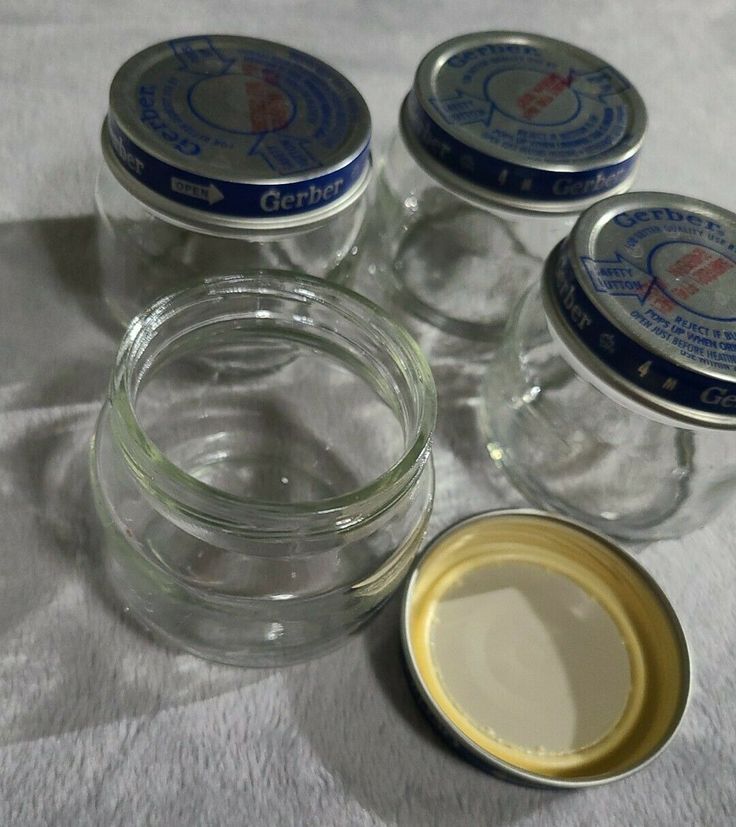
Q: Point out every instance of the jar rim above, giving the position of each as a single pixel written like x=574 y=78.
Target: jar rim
x=247 y=516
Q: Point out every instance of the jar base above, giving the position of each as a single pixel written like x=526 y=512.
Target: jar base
x=641 y=529
x=267 y=655
x=220 y=630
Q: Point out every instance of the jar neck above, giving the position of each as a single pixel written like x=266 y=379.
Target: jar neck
x=299 y=308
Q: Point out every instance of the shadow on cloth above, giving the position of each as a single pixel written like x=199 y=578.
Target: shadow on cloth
x=66 y=653
x=361 y=719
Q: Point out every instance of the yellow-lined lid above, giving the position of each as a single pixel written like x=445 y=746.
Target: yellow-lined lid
x=544 y=648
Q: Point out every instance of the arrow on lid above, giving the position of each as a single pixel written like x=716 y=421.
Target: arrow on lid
x=618 y=277
x=599 y=83
x=211 y=194
x=199 y=56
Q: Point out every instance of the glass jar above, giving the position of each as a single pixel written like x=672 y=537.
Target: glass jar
x=257 y=517
x=613 y=397
x=502 y=140
x=224 y=153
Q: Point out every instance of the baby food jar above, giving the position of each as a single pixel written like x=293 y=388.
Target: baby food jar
x=256 y=518
x=223 y=153
x=613 y=397
x=502 y=140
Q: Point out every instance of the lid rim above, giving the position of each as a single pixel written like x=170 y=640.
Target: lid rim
x=465 y=186
x=219 y=223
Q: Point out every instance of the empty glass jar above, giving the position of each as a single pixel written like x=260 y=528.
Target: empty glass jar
x=613 y=397
x=502 y=140
x=223 y=153
x=257 y=515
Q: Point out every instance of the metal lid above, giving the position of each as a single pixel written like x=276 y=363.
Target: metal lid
x=218 y=131
x=543 y=651
x=643 y=294
x=523 y=120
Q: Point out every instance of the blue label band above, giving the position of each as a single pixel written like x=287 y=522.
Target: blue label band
x=508 y=178
x=228 y=198
x=639 y=366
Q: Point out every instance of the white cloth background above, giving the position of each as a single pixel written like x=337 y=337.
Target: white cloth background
x=98 y=724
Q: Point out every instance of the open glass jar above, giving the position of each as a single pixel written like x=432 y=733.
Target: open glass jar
x=502 y=140
x=613 y=397
x=255 y=515
x=223 y=153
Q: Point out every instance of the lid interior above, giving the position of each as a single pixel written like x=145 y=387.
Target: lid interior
x=544 y=650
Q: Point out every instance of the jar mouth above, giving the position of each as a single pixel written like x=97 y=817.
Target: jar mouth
x=249 y=301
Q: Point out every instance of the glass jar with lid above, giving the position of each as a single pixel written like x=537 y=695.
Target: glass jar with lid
x=613 y=396
x=503 y=139
x=223 y=153
x=257 y=518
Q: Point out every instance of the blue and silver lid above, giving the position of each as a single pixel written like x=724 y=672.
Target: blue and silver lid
x=524 y=121
x=643 y=295
x=231 y=133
